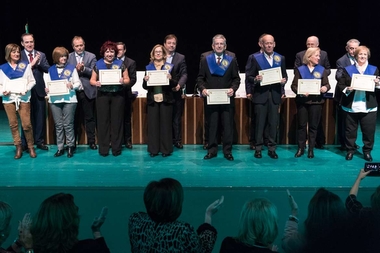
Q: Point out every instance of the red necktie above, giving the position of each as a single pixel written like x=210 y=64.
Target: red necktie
x=218 y=62
x=30 y=57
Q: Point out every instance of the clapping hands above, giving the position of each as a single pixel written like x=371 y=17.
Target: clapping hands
x=24 y=235
x=98 y=221
x=212 y=209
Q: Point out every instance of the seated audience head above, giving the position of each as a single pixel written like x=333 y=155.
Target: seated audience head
x=163 y=200
x=326 y=211
x=56 y=224
x=375 y=200
x=5 y=219
x=258 y=222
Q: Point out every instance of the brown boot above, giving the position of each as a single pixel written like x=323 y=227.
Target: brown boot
x=32 y=153
x=18 y=154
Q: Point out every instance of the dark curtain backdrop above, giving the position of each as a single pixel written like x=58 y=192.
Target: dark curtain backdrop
x=142 y=24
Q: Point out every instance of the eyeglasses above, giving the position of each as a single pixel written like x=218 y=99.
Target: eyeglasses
x=158 y=52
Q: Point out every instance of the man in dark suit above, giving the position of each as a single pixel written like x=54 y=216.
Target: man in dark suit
x=219 y=71
x=313 y=41
x=84 y=62
x=39 y=66
x=205 y=125
x=346 y=60
x=131 y=66
x=266 y=98
x=179 y=73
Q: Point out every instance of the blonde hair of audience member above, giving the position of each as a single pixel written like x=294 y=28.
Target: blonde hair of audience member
x=309 y=52
x=258 y=222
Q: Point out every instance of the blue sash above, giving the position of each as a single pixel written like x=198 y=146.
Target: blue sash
x=263 y=62
x=315 y=74
x=167 y=66
x=370 y=70
x=65 y=74
x=16 y=73
x=215 y=69
x=116 y=64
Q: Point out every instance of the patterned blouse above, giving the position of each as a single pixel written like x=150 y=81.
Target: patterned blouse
x=148 y=236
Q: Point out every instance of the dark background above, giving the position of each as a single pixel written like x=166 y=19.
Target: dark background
x=142 y=24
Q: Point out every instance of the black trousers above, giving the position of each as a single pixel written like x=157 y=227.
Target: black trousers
x=160 y=128
x=308 y=117
x=178 y=107
x=220 y=118
x=110 y=121
x=367 y=123
x=85 y=115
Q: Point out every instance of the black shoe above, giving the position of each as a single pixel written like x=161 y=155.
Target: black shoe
x=70 y=152
x=368 y=157
x=205 y=146
x=165 y=155
x=59 y=153
x=319 y=146
x=349 y=156
x=73 y=147
x=273 y=154
x=258 y=154
x=128 y=145
x=93 y=146
x=357 y=146
x=153 y=155
x=209 y=156
x=42 y=146
x=178 y=145
x=300 y=152
x=310 y=153
x=116 y=153
x=229 y=157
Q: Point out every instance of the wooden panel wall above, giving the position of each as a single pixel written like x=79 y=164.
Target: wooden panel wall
x=192 y=122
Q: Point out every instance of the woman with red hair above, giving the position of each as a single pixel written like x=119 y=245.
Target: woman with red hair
x=110 y=99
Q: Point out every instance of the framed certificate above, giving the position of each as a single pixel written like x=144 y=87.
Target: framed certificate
x=363 y=82
x=218 y=97
x=311 y=86
x=57 y=87
x=109 y=76
x=157 y=77
x=270 y=76
x=17 y=85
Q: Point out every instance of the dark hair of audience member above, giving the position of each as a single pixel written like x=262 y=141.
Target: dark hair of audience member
x=163 y=200
x=5 y=219
x=55 y=227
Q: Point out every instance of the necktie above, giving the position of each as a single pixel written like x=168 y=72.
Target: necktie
x=30 y=57
x=218 y=62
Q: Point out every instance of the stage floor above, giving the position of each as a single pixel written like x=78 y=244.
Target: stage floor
x=135 y=168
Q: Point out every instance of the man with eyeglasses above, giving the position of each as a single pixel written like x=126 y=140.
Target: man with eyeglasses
x=346 y=60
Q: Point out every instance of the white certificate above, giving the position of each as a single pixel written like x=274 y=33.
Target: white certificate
x=270 y=76
x=109 y=76
x=57 y=87
x=157 y=77
x=218 y=97
x=363 y=82
x=17 y=85
x=311 y=86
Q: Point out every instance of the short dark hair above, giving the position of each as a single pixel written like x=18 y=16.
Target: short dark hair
x=170 y=36
x=108 y=45
x=163 y=200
